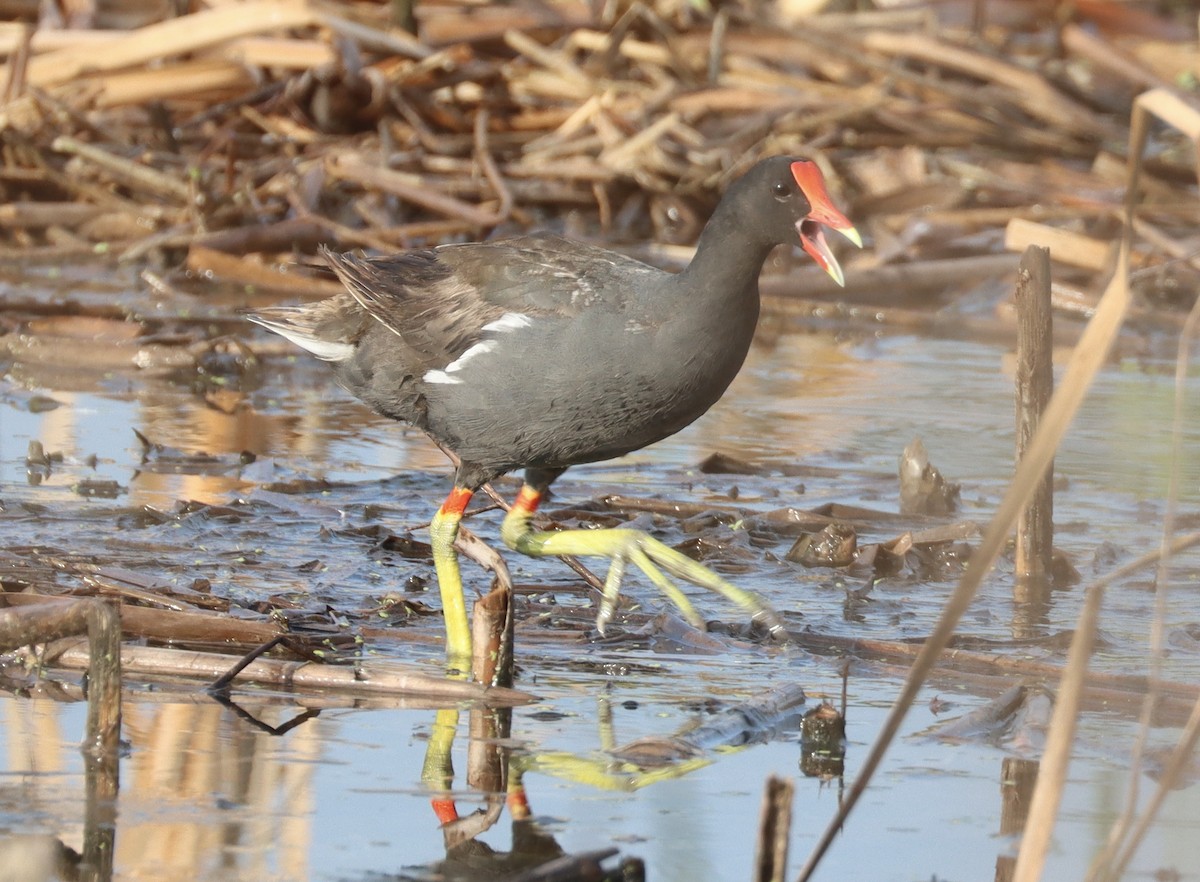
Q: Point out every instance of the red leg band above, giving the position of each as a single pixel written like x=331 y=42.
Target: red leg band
x=518 y=805
x=456 y=502
x=445 y=809
x=528 y=499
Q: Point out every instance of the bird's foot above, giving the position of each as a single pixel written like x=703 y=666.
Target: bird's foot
x=623 y=546
x=653 y=557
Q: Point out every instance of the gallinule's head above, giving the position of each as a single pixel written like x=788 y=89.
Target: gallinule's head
x=798 y=199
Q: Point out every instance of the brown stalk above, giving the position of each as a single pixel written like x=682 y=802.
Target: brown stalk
x=488 y=164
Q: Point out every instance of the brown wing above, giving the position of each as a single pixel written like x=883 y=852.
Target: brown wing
x=440 y=300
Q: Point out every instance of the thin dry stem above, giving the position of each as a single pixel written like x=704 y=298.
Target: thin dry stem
x=1085 y=364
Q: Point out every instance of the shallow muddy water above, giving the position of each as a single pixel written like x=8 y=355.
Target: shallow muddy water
x=208 y=794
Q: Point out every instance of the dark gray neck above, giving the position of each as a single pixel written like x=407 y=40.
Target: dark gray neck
x=729 y=256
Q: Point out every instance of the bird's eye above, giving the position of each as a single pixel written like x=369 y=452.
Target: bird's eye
x=781 y=190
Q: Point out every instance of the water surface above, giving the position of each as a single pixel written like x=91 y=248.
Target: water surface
x=208 y=795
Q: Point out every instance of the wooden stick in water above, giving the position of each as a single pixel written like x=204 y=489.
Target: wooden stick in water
x=1035 y=383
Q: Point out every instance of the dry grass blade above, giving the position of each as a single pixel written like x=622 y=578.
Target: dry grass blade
x=202 y=77
x=1089 y=356
x=1054 y=763
x=1048 y=792
x=1123 y=841
x=1172 y=771
x=1065 y=246
x=1056 y=758
x=1126 y=835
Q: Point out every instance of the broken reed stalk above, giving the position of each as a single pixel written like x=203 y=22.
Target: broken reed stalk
x=101 y=760
x=375 y=678
x=99 y=620
x=104 y=683
x=774 y=827
x=492 y=617
x=1034 y=385
x=487 y=758
x=492 y=637
x=1017 y=779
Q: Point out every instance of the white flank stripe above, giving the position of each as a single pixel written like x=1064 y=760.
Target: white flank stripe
x=510 y=321
x=479 y=348
x=326 y=350
x=443 y=375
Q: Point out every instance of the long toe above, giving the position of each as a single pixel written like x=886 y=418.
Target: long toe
x=623 y=546
x=683 y=567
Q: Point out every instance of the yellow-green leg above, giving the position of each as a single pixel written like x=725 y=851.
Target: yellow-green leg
x=443 y=530
x=623 y=546
x=438 y=771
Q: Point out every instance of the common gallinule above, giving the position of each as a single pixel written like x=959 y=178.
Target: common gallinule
x=541 y=353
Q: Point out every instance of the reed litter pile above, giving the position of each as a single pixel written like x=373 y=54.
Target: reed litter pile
x=267 y=127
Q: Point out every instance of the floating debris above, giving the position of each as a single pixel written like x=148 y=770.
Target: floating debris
x=923 y=490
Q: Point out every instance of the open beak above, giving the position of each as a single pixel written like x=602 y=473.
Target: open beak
x=823 y=214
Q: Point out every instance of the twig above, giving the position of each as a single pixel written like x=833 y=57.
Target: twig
x=222 y=683
x=133 y=173
x=484 y=156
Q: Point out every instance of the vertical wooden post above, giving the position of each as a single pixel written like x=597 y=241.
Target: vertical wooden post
x=1017 y=779
x=774 y=827
x=104 y=680
x=1034 y=384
